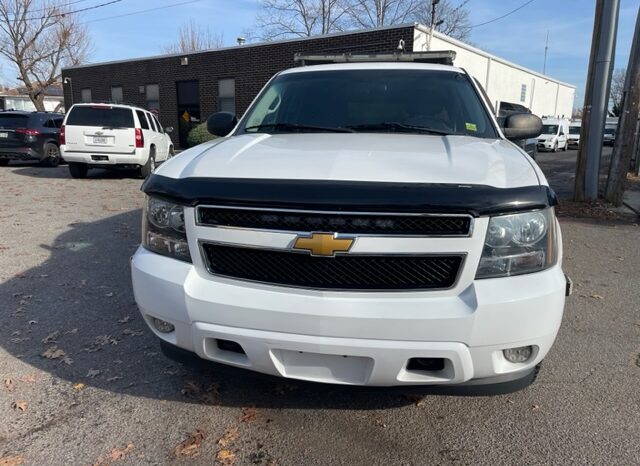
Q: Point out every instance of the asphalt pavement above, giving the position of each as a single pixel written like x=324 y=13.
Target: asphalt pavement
x=82 y=380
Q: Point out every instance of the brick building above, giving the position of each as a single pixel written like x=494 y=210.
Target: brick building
x=187 y=88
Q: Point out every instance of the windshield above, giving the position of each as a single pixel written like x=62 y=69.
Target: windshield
x=104 y=116
x=549 y=129
x=574 y=130
x=414 y=101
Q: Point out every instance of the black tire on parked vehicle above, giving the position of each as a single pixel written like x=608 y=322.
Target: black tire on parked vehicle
x=52 y=157
x=4 y=162
x=78 y=170
x=555 y=147
x=147 y=168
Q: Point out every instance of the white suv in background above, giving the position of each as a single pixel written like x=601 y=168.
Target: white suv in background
x=111 y=135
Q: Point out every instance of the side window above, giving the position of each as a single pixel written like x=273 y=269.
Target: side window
x=85 y=95
x=227 y=95
x=49 y=124
x=57 y=122
x=160 y=129
x=117 y=94
x=144 y=124
x=152 y=95
x=152 y=122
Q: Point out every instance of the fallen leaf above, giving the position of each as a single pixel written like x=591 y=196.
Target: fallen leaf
x=226 y=457
x=418 y=400
x=113 y=379
x=53 y=353
x=535 y=407
x=13 y=460
x=229 y=437
x=133 y=333
x=121 y=453
x=597 y=296
x=71 y=332
x=191 y=446
x=29 y=378
x=102 y=340
x=93 y=373
x=9 y=384
x=124 y=320
x=20 y=405
x=79 y=386
x=67 y=360
x=52 y=337
x=109 y=295
x=249 y=414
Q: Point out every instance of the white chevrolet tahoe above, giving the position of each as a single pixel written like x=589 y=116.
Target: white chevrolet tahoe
x=363 y=224
x=113 y=135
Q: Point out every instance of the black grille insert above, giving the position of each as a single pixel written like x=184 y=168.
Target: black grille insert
x=342 y=272
x=356 y=223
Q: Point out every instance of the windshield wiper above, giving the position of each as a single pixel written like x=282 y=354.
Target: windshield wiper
x=394 y=126
x=296 y=127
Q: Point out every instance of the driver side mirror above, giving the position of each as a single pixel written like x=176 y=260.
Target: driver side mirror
x=221 y=123
x=168 y=129
x=522 y=126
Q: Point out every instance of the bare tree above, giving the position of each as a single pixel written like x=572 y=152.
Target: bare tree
x=376 y=13
x=40 y=38
x=617 y=90
x=280 y=19
x=192 y=37
x=454 y=17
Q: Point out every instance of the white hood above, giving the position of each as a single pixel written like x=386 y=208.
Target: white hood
x=404 y=158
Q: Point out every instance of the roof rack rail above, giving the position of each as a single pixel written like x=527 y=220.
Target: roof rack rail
x=442 y=57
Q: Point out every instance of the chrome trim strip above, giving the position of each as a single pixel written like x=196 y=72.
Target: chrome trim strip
x=205 y=259
x=324 y=212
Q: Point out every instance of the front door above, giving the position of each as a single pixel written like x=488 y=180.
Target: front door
x=188 y=108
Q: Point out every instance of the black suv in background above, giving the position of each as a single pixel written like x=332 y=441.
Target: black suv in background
x=30 y=136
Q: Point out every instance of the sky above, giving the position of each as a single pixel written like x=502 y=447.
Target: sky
x=519 y=38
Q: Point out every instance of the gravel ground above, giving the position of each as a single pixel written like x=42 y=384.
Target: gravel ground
x=83 y=382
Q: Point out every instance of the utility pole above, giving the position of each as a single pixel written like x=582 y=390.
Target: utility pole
x=627 y=124
x=546 y=49
x=433 y=22
x=596 y=100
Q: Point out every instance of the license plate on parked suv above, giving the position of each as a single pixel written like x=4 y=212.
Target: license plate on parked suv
x=100 y=140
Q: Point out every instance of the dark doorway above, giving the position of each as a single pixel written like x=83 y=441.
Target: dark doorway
x=188 y=108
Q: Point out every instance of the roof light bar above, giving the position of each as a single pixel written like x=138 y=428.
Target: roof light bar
x=444 y=57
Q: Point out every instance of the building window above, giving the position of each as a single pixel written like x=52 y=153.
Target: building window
x=227 y=95
x=152 y=93
x=85 y=95
x=523 y=93
x=116 y=95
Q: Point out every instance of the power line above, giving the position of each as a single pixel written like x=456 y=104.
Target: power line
x=141 y=11
x=66 y=4
x=80 y=10
x=503 y=16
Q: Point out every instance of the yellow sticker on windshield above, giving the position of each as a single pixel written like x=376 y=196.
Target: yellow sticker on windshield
x=471 y=127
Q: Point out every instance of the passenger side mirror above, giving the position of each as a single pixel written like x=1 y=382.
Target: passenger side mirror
x=522 y=126
x=168 y=129
x=221 y=123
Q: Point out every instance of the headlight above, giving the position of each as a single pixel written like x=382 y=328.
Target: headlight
x=163 y=229
x=519 y=243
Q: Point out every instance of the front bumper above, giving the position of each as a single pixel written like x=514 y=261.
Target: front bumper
x=349 y=337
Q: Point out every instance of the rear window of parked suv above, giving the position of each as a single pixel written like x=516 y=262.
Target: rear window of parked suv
x=111 y=117
x=9 y=120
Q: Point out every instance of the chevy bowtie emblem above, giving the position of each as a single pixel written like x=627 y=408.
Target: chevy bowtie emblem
x=323 y=244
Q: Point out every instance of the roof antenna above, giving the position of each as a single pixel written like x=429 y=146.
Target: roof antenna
x=401 y=46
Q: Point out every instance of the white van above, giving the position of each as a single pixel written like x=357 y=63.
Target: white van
x=554 y=135
x=110 y=135
x=573 y=138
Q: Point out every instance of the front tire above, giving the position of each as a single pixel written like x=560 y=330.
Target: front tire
x=147 y=168
x=52 y=156
x=78 y=170
x=555 y=147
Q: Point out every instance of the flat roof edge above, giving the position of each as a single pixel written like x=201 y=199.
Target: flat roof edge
x=471 y=48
